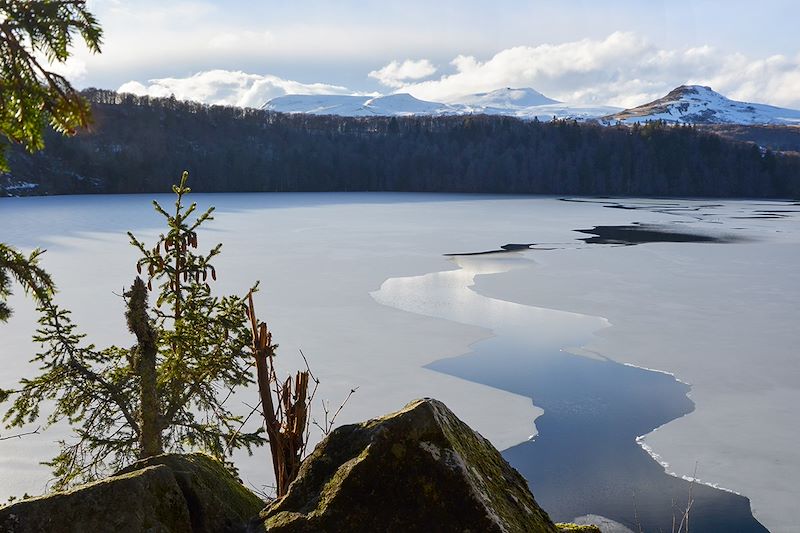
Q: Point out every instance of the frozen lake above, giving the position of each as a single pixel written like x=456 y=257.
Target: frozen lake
x=362 y=284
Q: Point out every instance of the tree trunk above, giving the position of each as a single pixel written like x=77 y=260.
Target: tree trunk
x=286 y=431
x=144 y=365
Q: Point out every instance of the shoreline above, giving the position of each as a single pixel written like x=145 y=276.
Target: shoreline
x=729 y=461
x=500 y=351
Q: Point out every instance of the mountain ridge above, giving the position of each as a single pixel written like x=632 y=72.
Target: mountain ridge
x=686 y=104
x=522 y=103
x=699 y=104
x=506 y=97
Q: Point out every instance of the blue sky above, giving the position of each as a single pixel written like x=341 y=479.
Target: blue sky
x=619 y=52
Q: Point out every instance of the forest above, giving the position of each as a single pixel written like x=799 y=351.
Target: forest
x=138 y=144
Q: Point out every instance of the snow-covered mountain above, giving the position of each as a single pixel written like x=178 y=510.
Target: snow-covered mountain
x=506 y=98
x=696 y=104
x=692 y=104
x=544 y=113
x=406 y=105
x=317 y=104
x=525 y=103
x=393 y=105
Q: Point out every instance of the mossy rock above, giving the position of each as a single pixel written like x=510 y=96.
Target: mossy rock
x=145 y=500
x=163 y=494
x=216 y=500
x=419 y=469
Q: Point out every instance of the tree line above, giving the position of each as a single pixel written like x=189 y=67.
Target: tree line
x=137 y=143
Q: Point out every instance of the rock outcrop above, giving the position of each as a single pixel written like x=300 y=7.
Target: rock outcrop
x=419 y=469
x=167 y=493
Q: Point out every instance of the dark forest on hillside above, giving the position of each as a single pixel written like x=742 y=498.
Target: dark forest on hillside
x=140 y=144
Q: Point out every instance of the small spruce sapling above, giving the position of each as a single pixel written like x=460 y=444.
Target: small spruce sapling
x=168 y=392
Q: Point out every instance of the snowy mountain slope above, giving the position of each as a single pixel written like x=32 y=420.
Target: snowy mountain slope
x=525 y=104
x=506 y=98
x=528 y=104
x=316 y=104
x=697 y=104
x=406 y=105
x=546 y=113
x=357 y=106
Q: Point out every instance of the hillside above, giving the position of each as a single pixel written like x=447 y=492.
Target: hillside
x=774 y=137
x=526 y=104
x=506 y=98
x=695 y=104
x=687 y=104
x=393 y=105
x=139 y=144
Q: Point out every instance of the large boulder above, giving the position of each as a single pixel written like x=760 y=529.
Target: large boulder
x=164 y=494
x=145 y=500
x=419 y=469
x=217 y=502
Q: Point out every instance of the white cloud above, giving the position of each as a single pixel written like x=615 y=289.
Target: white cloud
x=228 y=88
x=624 y=69
x=397 y=74
x=774 y=80
x=236 y=42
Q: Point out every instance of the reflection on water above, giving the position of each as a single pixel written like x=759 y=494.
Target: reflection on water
x=585 y=459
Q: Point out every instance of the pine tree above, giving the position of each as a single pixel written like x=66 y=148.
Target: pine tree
x=27 y=271
x=31 y=95
x=168 y=392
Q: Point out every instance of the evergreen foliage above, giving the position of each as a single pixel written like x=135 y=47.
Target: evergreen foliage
x=168 y=392
x=27 y=271
x=31 y=95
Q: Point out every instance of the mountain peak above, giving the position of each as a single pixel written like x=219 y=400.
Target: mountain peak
x=700 y=104
x=693 y=89
x=507 y=97
x=403 y=104
x=399 y=104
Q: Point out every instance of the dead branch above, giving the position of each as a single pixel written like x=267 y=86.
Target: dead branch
x=285 y=414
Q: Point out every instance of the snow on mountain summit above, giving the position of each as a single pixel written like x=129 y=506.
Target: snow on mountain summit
x=697 y=104
x=403 y=104
x=692 y=104
x=400 y=104
x=506 y=98
x=526 y=104
x=316 y=104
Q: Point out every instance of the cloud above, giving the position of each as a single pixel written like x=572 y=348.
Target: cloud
x=624 y=69
x=397 y=74
x=228 y=87
x=774 y=80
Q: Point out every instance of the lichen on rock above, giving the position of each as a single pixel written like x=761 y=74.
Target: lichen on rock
x=145 y=500
x=167 y=493
x=419 y=469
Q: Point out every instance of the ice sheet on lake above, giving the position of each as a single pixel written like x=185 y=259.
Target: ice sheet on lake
x=722 y=317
